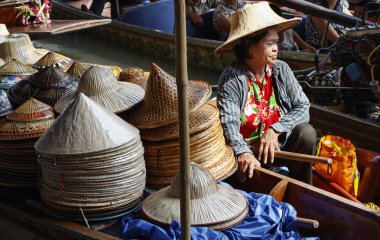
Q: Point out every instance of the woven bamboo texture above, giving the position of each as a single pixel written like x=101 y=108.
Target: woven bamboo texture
x=16 y=68
x=55 y=60
x=19 y=46
x=160 y=105
x=99 y=84
x=210 y=203
x=135 y=75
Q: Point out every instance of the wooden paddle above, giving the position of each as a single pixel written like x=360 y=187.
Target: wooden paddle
x=302 y=157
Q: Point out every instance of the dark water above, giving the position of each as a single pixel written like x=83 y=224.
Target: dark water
x=82 y=47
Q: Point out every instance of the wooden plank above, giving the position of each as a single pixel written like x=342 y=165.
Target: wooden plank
x=58 y=27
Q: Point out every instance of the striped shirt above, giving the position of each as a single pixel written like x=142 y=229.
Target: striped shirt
x=232 y=94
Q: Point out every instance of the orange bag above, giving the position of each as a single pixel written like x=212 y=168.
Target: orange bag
x=344 y=169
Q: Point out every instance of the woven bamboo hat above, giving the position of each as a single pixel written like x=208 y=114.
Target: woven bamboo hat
x=210 y=203
x=5 y=104
x=99 y=84
x=16 y=68
x=252 y=20
x=19 y=46
x=55 y=60
x=135 y=75
x=85 y=127
x=79 y=68
x=3 y=30
x=160 y=105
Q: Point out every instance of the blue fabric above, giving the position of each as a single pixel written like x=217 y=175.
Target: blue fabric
x=266 y=219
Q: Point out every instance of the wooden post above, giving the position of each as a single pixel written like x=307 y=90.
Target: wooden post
x=181 y=78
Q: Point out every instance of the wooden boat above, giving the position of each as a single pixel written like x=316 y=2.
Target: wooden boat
x=159 y=43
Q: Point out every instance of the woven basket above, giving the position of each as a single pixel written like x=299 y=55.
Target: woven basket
x=99 y=84
x=160 y=105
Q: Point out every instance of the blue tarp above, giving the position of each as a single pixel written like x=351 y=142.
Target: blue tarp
x=266 y=219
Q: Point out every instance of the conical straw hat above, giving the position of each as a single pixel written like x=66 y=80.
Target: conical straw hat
x=5 y=104
x=31 y=110
x=19 y=46
x=16 y=68
x=79 y=68
x=160 y=105
x=252 y=20
x=51 y=77
x=3 y=30
x=85 y=127
x=99 y=84
x=135 y=75
x=55 y=60
x=210 y=203
x=30 y=120
x=199 y=120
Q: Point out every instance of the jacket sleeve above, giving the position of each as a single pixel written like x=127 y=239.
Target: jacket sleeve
x=229 y=103
x=296 y=98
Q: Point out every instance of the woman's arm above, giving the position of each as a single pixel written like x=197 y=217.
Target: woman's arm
x=321 y=24
x=302 y=44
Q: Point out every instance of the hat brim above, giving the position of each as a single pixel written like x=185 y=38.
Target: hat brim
x=282 y=26
x=121 y=99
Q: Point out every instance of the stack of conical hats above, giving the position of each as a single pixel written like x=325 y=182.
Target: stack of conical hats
x=12 y=72
x=18 y=133
x=19 y=46
x=91 y=162
x=5 y=105
x=47 y=85
x=55 y=60
x=99 y=84
x=211 y=205
x=79 y=68
x=157 y=118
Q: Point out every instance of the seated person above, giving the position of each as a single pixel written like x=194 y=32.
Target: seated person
x=194 y=8
x=221 y=18
x=316 y=27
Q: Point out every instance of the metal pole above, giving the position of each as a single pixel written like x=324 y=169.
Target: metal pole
x=181 y=78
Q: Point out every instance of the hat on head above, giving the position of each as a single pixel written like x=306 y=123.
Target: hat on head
x=252 y=20
x=210 y=202
x=99 y=84
x=160 y=105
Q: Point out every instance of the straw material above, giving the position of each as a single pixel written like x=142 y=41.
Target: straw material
x=99 y=84
x=19 y=46
x=2 y=62
x=135 y=75
x=251 y=20
x=55 y=60
x=199 y=120
x=51 y=77
x=5 y=104
x=85 y=127
x=79 y=68
x=3 y=30
x=30 y=120
x=160 y=105
x=16 y=68
x=210 y=203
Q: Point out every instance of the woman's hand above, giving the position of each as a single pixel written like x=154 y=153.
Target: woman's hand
x=246 y=165
x=268 y=143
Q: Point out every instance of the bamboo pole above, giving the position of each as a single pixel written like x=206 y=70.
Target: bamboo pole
x=302 y=157
x=181 y=78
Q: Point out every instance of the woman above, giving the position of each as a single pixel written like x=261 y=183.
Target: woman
x=221 y=17
x=262 y=106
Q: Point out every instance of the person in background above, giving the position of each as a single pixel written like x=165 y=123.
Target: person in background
x=194 y=8
x=221 y=17
x=290 y=40
x=316 y=27
x=262 y=106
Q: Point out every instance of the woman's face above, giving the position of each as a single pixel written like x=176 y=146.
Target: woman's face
x=265 y=51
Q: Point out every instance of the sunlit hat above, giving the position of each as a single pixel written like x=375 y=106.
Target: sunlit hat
x=5 y=104
x=210 y=203
x=55 y=60
x=99 y=84
x=135 y=75
x=85 y=127
x=160 y=105
x=16 y=68
x=251 y=20
x=19 y=46
x=3 y=30
x=79 y=68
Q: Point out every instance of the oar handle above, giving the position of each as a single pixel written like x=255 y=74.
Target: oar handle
x=306 y=223
x=302 y=157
